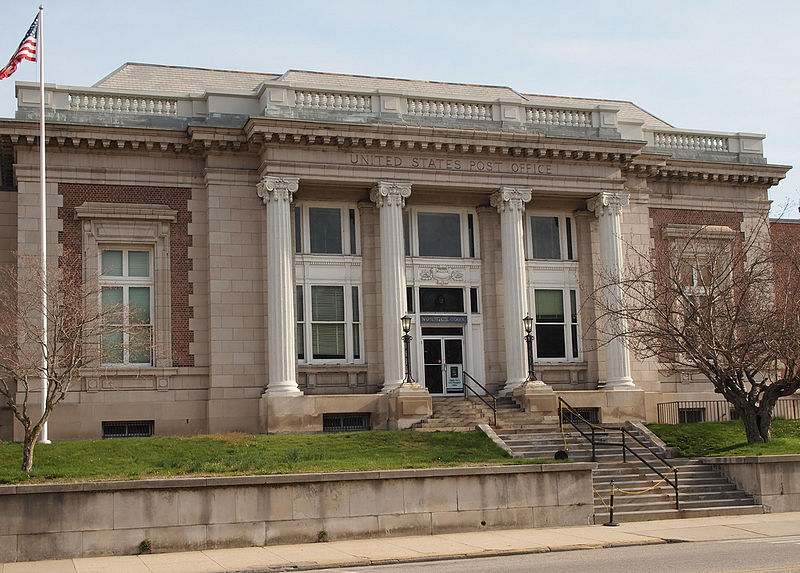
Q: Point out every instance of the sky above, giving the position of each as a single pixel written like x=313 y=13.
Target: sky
x=730 y=66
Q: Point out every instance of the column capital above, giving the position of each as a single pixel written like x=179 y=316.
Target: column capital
x=607 y=203
x=510 y=198
x=277 y=188
x=386 y=193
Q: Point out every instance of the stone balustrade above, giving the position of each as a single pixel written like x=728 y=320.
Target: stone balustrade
x=278 y=99
x=319 y=100
x=559 y=117
x=429 y=108
x=690 y=141
x=110 y=103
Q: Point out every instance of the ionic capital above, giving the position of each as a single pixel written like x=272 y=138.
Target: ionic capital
x=607 y=203
x=274 y=188
x=389 y=193
x=510 y=198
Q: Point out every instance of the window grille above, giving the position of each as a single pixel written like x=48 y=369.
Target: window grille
x=128 y=429
x=355 y=422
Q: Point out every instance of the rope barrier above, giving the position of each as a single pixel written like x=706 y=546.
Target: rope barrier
x=652 y=487
x=600 y=496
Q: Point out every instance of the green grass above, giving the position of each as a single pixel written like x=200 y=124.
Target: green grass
x=233 y=454
x=728 y=438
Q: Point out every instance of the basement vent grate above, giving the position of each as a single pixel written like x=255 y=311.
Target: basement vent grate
x=138 y=429
x=345 y=422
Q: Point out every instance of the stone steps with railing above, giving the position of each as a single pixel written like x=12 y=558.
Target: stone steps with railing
x=703 y=491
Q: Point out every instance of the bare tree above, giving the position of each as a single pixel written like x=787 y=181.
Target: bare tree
x=711 y=300
x=75 y=320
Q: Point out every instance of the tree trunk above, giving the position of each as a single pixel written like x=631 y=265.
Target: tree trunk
x=27 y=449
x=752 y=425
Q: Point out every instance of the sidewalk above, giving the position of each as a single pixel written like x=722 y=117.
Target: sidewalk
x=428 y=547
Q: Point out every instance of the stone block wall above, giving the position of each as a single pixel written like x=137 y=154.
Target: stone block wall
x=113 y=518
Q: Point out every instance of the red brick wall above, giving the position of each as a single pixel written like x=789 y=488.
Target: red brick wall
x=180 y=241
x=786 y=250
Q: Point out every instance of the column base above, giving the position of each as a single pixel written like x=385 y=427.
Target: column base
x=286 y=389
x=511 y=385
x=391 y=386
x=625 y=383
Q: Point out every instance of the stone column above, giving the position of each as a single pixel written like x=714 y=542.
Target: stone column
x=510 y=203
x=390 y=197
x=607 y=207
x=277 y=192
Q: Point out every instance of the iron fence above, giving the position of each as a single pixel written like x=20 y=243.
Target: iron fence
x=688 y=411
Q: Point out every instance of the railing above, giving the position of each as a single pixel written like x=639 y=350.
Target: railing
x=690 y=141
x=467 y=390
x=687 y=411
x=449 y=109
x=318 y=100
x=625 y=435
x=559 y=117
x=145 y=105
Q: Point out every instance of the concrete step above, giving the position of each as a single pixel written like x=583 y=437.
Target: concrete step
x=630 y=516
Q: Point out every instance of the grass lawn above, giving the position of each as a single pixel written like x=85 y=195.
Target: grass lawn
x=728 y=438
x=229 y=454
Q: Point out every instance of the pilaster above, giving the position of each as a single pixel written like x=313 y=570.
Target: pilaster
x=277 y=193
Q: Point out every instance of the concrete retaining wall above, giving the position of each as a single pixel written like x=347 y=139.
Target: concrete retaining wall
x=113 y=518
x=773 y=481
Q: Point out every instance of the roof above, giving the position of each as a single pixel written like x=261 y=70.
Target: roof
x=177 y=79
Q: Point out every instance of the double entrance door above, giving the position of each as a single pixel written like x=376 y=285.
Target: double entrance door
x=443 y=364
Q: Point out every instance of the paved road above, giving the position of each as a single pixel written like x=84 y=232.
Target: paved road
x=775 y=554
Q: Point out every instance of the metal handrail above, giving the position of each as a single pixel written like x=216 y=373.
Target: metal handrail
x=467 y=389
x=625 y=447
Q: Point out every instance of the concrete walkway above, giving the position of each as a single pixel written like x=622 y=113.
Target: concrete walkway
x=429 y=547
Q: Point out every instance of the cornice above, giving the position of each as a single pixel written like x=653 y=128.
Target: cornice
x=384 y=137
x=659 y=168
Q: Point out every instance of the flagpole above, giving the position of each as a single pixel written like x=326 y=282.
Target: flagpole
x=43 y=439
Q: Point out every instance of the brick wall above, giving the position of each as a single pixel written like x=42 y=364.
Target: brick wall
x=176 y=198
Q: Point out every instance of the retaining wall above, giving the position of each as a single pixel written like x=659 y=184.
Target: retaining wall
x=113 y=518
x=773 y=481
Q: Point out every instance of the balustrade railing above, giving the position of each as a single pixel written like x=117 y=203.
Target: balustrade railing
x=558 y=117
x=690 y=141
x=443 y=109
x=319 y=100
x=110 y=103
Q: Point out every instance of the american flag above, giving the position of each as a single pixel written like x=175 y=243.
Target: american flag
x=26 y=50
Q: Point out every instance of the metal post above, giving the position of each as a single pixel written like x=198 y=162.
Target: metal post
x=528 y=324
x=677 y=501
x=594 y=452
x=624 y=455
x=611 y=509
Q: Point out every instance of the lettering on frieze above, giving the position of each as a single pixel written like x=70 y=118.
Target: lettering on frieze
x=450 y=164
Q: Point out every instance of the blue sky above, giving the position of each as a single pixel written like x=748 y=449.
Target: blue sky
x=709 y=65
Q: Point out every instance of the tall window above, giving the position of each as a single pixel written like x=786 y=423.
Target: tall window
x=556 y=330
x=333 y=313
x=126 y=280
x=551 y=237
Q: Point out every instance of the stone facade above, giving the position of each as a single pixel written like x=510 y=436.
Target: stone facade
x=290 y=223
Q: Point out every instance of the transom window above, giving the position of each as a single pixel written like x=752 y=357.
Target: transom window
x=325 y=230
x=439 y=234
x=126 y=281
x=551 y=237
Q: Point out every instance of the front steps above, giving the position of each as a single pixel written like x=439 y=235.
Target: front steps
x=458 y=414
x=702 y=490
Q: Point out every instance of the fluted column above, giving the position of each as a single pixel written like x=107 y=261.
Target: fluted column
x=510 y=203
x=390 y=198
x=608 y=207
x=277 y=192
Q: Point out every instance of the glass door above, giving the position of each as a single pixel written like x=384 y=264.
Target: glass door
x=443 y=365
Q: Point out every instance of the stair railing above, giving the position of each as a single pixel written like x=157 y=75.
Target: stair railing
x=468 y=389
x=593 y=440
